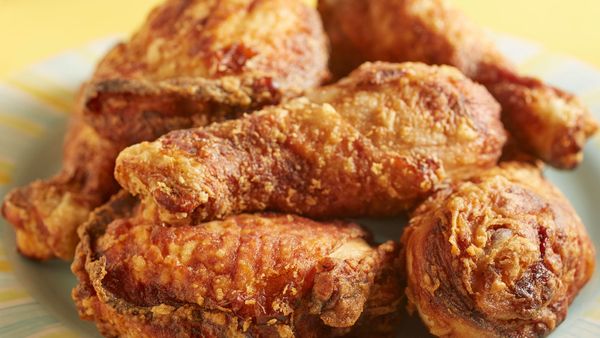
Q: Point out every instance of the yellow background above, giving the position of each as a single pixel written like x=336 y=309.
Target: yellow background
x=31 y=30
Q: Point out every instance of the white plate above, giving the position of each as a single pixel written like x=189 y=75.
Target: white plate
x=34 y=108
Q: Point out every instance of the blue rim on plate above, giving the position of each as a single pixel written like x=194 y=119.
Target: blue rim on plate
x=35 y=105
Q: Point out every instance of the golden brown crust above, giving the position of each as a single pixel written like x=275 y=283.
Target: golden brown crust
x=248 y=275
x=46 y=213
x=177 y=71
x=548 y=122
x=500 y=255
x=373 y=144
x=200 y=61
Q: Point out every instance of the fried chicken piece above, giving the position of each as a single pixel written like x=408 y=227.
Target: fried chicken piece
x=46 y=213
x=371 y=145
x=178 y=70
x=500 y=255
x=266 y=275
x=548 y=122
x=195 y=62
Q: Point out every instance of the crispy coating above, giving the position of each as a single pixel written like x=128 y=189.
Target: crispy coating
x=265 y=275
x=500 y=255
x=200 y=61
x=177 y=70
x=46 y=213
x=548 y=122
x=371 y=145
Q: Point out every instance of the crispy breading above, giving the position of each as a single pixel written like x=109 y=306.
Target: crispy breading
x=373 y=144
x=195 y=62
x=500 y=255
x=548 y=122
x=177 y=71
x=46 y=213
x=270 y=275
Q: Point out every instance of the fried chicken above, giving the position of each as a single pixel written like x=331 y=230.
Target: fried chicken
x=548 y=122
x=500 y=255
x=190 y=64
x=195 y=62
x=46 y=213
x=266 y=275
x=371 y=145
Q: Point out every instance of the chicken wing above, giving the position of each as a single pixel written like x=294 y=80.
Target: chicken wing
x=195 y=62
x=371 y=145
x=178 y=70
x=46 y=213
x=500 y=255
x=548 y=122
x=266 y=275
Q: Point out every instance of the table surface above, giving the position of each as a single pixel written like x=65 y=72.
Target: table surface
x=32 y=30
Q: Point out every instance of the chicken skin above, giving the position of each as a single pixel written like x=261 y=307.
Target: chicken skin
x=500 y=255
x=195 y=62
x=46 y=213
x=551 y=124
x=266 y=275
x=177 y=71
x=371 y=145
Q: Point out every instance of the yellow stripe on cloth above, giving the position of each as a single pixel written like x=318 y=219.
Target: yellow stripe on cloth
x=5 y=266
x=6 y=165
x=46 y=91
x=57 y=331
x=12 y=294
x=23 y=125
x=6 y=168
x=4 y=179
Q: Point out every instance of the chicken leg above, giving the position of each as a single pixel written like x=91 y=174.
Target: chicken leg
x=500 y=255
x=373 y=144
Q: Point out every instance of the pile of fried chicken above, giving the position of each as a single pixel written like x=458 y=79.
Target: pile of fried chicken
x=214 y=161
